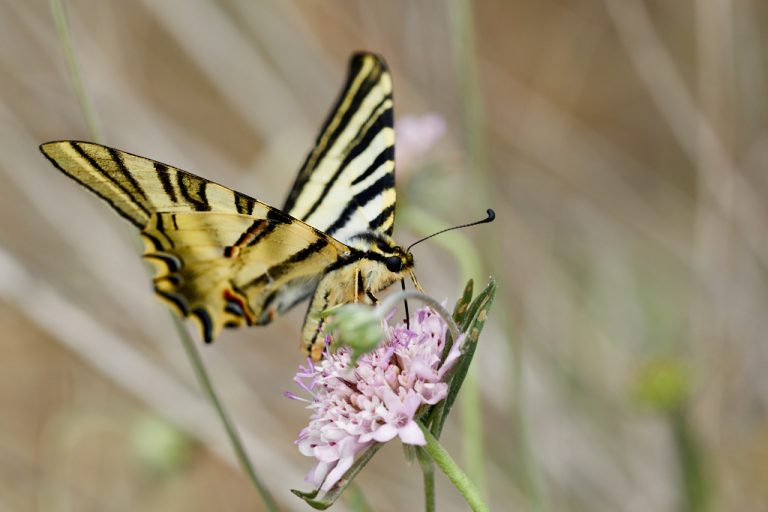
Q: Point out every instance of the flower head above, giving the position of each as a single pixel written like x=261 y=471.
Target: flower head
x=416 y=135
x=373 y=399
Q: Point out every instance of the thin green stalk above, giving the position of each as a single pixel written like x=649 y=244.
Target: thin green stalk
x=73 y=70
x=205 y=383
x=454 y=473
x=62 y=29
x=428 y=472
x=470 y=410
x=356 y=500
x=696 y=491
x=473 y=123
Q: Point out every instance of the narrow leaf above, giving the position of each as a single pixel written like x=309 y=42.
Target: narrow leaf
x=462 y=305
x=329 y=498
x=475 y=321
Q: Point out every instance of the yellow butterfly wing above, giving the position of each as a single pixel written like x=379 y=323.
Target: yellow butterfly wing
x=346 y=185
x=220 y=256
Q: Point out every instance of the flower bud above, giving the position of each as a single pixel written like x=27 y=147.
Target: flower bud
x=358 y=327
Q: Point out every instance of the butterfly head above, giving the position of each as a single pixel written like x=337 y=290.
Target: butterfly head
x=395 y=259
x=383 y=262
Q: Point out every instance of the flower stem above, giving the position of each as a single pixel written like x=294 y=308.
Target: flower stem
x=205 y=383
x=62 y=28
x=454 y=473
x=428 y=471
x=475 y=143
x=73 y=70
x=696 y=491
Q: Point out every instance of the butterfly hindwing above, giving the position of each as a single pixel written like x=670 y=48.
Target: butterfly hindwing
x=220 y=256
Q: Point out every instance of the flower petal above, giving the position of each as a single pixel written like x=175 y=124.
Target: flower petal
x=318 y=472
x=384 y=433
x=337 y=472
x=412 y=434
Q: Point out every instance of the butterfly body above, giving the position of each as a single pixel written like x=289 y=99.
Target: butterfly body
x=225 y=259
x=355 y=277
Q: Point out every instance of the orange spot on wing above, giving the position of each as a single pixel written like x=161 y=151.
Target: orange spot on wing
x=232 y=296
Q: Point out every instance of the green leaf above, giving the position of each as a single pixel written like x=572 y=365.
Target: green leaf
x=473 y=326
x=459 y=312
x=462 y=305
x=329 y=498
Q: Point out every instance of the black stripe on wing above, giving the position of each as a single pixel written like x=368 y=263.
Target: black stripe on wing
x=192 y=189
x=386 y=216
x=387 y=155
x=206 y=323
x=126 y=194
x=164 y=175
x=105 y=198
x=360 y=200
x=277 y=271
x=368 y=132
x=125 y=174
x=244 y=204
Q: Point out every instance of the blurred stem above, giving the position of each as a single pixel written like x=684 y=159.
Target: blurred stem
x=428 y=471
x=473 y=122
x=474 y=138
x=356 y=500
x=459 y=246
x=472 y=110
x=62 y=29
x=210 y=392
x=696 y=494
x=454 y=473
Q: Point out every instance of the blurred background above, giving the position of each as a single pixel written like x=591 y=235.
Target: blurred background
x=622 y=143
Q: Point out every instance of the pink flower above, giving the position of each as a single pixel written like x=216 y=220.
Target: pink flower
x=398 y=417
x=375 y=400
x=416 y=135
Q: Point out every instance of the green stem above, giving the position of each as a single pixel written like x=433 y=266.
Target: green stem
x=470 y=264
x=205 y=383
x=428 y=472
x=696 y=491
x=454 y=473
x=62 y=29
x=462 y=25
x=356 y=500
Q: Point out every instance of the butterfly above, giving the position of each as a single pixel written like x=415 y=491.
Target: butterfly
x=226 y=259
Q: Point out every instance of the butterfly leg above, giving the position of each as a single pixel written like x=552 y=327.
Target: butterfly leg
x=359 y=285
x=415 y=283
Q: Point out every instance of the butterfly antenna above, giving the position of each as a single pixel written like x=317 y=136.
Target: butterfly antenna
x=491 y=216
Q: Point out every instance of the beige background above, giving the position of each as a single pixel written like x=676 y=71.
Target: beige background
x=622 y=144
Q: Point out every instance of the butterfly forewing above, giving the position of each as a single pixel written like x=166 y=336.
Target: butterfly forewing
x=347 y=183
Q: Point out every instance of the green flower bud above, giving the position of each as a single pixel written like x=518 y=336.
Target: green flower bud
x=662 y=384
x=160 y=446
x=358 y=327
